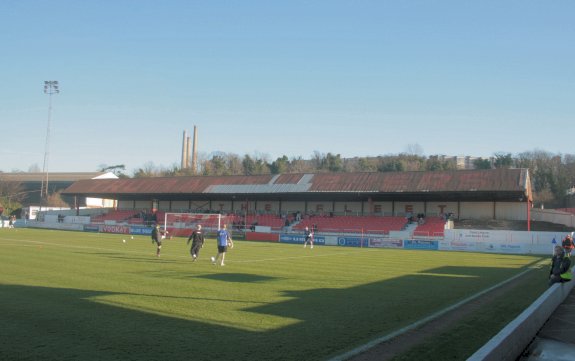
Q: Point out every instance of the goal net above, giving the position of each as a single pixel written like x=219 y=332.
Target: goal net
x=183 y=224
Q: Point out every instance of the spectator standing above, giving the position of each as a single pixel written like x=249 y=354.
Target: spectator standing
x=568 y=245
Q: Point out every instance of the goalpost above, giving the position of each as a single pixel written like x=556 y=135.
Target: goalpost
x=183 y=224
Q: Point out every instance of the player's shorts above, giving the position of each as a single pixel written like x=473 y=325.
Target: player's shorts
x=222 y=249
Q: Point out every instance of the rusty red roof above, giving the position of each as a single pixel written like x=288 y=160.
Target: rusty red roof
x=515 y=181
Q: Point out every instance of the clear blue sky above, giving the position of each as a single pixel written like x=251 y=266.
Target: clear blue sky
x=355 y=78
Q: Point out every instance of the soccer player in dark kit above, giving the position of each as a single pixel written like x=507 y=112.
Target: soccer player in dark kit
x=197 y=238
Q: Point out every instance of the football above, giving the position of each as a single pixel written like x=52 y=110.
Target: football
x=124 y=240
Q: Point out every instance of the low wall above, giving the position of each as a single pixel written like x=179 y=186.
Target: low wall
x=257 y=236
x=516 y=336
x=56 y=225
x=553 y=216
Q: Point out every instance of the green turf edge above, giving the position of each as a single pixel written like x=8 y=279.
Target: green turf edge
x=473 y=331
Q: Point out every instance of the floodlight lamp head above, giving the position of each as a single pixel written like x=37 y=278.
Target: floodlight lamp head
x=51 y=87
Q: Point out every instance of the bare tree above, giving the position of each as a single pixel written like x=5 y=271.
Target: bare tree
x=55 y=200
x=414 y=149
x=300 y=165
x=11 y=194
x=118 y=170
x=148 y=170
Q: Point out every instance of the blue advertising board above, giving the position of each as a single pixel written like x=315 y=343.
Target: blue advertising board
x=421 y=244
x=141 y=230
x=300 y=238
x=91 y=228
x=352 y=241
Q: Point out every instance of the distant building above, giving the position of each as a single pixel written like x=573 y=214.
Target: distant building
x=462 y=161
x=30 y=184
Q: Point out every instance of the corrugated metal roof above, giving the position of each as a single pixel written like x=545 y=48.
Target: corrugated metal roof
x=259 y=188
x=492 y=180
x=439 y=181
x=159 y=185
x=290 y=178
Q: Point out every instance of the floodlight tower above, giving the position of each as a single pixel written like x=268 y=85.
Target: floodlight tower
x=50 y=87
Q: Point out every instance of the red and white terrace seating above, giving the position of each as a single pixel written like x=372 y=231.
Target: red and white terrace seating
x=366 y=224
x=432 y=227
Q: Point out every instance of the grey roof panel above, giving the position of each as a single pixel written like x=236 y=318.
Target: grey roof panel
x=259 y=188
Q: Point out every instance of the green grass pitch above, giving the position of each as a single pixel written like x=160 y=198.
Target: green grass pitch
x=89 y=296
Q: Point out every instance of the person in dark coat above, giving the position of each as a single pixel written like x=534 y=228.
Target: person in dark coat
x=560 y=267
x=197 y=238
x=157 y=239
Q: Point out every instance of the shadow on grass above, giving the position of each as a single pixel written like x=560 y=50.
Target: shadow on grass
x=236 y=277
x=134 y=258
x=40 y=323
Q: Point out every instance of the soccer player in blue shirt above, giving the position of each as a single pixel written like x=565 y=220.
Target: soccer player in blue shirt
x=224 y=241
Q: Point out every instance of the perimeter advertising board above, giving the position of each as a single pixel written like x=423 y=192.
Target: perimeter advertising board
x=421 y=244
x=375 y=242
x=147 y=231
x=446 y=245
x=385 y=243
x=498 y=241
x=114 y=229
x=352 y=241
x=300 y=239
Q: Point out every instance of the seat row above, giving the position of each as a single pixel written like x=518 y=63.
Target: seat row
x=353 y=223
x=431 y=227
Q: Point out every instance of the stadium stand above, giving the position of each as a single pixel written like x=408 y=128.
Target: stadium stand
x=356 y=224
x=431 y=227
x=249 y=221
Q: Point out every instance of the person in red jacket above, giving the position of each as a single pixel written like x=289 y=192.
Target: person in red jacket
x=568 y=245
